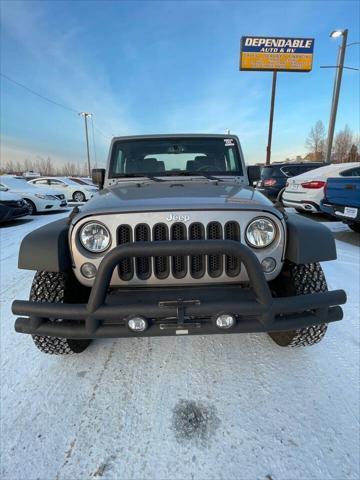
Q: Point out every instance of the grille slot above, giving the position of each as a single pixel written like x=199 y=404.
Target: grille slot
x=161 y=264
x=232 y=264
x=215 y=262
x=197 y=262
x=179 y=267
x=143 y=264
x=125 y=267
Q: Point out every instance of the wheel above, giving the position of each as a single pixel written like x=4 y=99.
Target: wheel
x=355 y=227
x=79 y=197
x=57 y=288
x=31 y=205
x=299 y=280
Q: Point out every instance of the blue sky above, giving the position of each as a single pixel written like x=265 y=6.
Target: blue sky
x=159 y=67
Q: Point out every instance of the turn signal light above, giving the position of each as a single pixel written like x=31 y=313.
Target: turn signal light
x=314 y=184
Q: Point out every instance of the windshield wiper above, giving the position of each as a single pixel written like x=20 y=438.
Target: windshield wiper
x=210 y=177
x=140 y=175
x=193 y=174
x=181 y=173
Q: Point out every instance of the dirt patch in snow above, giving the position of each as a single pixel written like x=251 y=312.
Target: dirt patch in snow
x=194 y=421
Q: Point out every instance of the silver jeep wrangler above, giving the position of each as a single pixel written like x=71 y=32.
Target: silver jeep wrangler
x=176 y=242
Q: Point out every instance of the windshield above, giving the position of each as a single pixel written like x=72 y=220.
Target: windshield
x=161 y=157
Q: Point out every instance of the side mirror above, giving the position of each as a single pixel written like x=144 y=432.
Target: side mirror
x=254 y=174
x=98 y=177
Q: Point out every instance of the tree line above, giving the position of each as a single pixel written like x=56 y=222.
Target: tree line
x=346 y=145
x=44 y=167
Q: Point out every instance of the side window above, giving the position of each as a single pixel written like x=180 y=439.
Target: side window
x=57 y=182
x=352 y=172
x=41 y=182
x=291 y=170
x=304 y=169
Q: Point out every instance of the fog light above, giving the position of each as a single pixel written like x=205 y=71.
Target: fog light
x=268 y=264
x=88 y=270
x=137 y=324
x=225 y=321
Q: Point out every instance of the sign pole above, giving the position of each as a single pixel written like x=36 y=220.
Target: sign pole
x=273 y=91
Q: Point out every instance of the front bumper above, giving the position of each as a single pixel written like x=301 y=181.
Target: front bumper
x=178 y=310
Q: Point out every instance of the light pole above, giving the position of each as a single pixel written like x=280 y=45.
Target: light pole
x=272 y=103
x=336 y=91
x=86 y=115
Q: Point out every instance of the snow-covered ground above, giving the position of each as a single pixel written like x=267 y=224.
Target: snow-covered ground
x=221 y=407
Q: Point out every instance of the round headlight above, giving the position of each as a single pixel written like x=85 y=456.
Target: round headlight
x=260 y=232
x=95 y=237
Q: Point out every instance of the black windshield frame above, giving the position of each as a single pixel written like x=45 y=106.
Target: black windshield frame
x=222 y=151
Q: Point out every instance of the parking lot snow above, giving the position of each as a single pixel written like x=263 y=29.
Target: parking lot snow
x=214 y=407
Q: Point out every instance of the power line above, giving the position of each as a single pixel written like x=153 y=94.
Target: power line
x=54 y=102
x=39 y=94
x=108 y=137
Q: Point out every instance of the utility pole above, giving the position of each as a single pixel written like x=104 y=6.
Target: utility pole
x=86 y=115
x=273 y=90
x=336 y=92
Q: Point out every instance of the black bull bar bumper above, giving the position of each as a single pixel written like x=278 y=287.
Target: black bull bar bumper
x=170 y=309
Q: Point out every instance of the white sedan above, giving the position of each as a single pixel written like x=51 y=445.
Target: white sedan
x=74 y=192
x=37 y=200
x=305 y=192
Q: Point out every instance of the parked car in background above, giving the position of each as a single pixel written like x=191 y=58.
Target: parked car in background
x=273 y=178
x=84 y=181
x=37 y=200
x=342 y=198
x=74 y=192
x=31 y=174
x=11 y=205
x=305 y=192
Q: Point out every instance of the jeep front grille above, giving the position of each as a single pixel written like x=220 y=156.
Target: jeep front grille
x=177 y=266
x=176 y=270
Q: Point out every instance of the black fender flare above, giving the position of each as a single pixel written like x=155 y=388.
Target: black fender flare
x=308 y=241
x=46 y=248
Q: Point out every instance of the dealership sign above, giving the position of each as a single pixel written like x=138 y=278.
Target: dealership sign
x=276 y=53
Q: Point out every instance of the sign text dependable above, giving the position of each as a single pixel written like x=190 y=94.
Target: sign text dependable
x=276 y=53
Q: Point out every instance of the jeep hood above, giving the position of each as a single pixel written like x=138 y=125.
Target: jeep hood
x=176 y=196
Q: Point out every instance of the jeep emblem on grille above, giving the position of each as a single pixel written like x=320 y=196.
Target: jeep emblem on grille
x=177 y=218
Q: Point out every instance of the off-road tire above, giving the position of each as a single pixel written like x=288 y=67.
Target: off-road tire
x=78 y=197
x=56 y=288
x=299 y=280
x=32 y=207
x=355 y=227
